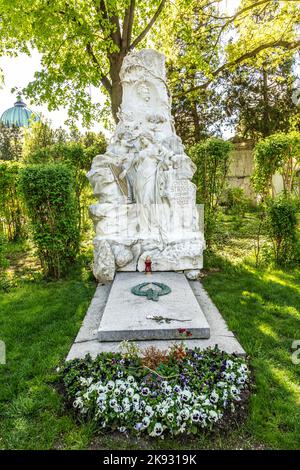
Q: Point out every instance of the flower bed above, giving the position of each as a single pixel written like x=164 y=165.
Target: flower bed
x=179 y=391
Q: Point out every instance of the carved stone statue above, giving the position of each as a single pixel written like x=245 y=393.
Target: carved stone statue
x=146 y=202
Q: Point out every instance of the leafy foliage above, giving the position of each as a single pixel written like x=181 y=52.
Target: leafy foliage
x=277 y=153
x=196 y=31
x=48 y=192
x=209 y=54
x=11 y=144
x=282 y=228
x=259 y=99
x=77 y=156
x=212 y=158
x=40 y=135
x=236 y=201
x=11 y=210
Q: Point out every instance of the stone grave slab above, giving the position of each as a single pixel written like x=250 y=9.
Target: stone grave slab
x=130 y=317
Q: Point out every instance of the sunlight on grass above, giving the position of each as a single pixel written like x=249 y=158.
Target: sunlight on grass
x=282 y=279
x=267 y=330
x=287 y=381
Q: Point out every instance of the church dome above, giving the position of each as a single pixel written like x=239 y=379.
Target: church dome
x=19 y=115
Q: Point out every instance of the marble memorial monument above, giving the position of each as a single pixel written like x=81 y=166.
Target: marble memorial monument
x=146 y=200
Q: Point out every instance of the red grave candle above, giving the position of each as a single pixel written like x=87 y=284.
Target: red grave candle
x=148 y=265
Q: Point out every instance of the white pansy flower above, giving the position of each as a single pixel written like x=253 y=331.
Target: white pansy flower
x=84 y=381
x=149 y=411
x=146 y=421
x=195 y=416
x=214 y=397
x=129 y=392
x=136 y=398
x=113 y=402
x=157 y=430
x=185 y=395
x=110 y=385
x=122 y=388
x=184 y=414
x=101 y=398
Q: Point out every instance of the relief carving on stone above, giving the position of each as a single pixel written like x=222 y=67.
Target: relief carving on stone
x=143 y=182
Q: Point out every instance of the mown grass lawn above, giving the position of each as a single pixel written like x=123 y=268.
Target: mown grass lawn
x=39 y=320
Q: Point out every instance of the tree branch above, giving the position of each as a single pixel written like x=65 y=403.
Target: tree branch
x=279 y=43
x=127 y=25
x=104 y=80
x=141 y=36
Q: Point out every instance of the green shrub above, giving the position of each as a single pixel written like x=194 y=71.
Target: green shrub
x=49 y=194
x=78 y=157
x=212 y=159
x=236 y=202
x=282 y=228
x=277 y=153
x=11 y=210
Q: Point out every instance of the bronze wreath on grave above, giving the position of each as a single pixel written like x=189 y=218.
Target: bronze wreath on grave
x=151 y=294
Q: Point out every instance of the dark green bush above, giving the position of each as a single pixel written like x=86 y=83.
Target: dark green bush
x=78 y=157
x=11 y=210
x=49 y=194
x=281 y=223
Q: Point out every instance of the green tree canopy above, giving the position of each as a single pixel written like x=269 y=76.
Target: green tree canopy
x=83 y=43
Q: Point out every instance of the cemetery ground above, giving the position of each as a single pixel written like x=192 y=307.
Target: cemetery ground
x=39 y=320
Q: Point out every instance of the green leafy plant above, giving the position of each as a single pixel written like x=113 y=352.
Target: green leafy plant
x=236 y=201
x=48 y=191
x=11 y=142
x=278 y=153
x=212 y=159
x=77 y=156
x=281 y=220
x=11 y=209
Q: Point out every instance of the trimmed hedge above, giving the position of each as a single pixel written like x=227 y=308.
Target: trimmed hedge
x=49 y=195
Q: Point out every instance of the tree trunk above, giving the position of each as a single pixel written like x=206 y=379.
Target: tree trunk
x=116 y=61
x=195 y=117
x=266 y=131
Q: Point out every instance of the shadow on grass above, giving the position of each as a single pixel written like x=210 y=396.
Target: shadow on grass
x=39 y=320
x=262 y=307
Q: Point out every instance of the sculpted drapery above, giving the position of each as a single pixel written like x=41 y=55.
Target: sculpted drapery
x=143 y=181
